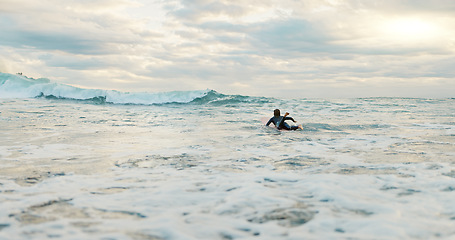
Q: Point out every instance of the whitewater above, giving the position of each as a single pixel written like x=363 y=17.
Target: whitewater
x=101 y=164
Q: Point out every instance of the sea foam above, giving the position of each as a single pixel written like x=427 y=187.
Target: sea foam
x=18 y=86
x=210 y=169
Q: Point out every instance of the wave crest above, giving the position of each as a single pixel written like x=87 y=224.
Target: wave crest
x=17 y=86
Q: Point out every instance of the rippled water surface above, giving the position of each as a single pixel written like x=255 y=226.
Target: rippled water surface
x=378 y=168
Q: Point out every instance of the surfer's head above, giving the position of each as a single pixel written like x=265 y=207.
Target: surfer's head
x=276 y=112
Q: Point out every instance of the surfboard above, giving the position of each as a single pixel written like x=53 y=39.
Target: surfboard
x=264 y=121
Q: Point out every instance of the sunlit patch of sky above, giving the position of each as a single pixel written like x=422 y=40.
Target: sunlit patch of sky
x=314 y=48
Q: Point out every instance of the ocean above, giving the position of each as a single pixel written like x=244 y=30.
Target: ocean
x=100 y=164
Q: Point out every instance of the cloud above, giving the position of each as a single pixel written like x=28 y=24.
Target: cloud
x=78 y=27
x=276 y=46
x=291 y=38
x=199 y=10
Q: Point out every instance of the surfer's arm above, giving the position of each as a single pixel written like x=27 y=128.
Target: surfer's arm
x=289 y=118
x=270 y=121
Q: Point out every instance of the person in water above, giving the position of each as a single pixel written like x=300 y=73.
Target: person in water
x=279 y=123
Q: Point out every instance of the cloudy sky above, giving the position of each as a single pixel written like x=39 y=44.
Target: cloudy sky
x=282 y=48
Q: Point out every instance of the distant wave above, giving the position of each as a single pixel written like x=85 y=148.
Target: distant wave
x=18 y=86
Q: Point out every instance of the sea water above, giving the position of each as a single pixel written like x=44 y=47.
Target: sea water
x=96 y=164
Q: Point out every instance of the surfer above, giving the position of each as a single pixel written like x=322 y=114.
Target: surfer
x=279 y=123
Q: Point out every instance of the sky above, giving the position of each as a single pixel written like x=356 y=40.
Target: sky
x=282 y=48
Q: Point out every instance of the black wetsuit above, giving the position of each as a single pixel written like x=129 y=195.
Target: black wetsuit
x=280 y=124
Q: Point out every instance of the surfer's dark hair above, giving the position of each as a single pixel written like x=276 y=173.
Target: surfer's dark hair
x=276 y=112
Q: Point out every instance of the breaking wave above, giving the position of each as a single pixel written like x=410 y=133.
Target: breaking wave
x=17 y=86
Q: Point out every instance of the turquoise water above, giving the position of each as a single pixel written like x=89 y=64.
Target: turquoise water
x=78 y=164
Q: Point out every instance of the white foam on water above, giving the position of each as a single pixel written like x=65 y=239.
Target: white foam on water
x=166 y=202
x=15 y=86
x=213 y=171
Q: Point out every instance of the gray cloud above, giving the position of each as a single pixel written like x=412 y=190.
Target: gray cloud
x=230 y=46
